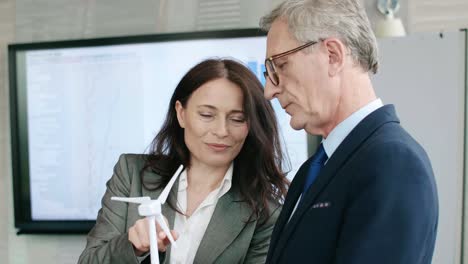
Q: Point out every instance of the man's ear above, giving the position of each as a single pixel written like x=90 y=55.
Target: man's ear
x=180 y=113
x=336 y=55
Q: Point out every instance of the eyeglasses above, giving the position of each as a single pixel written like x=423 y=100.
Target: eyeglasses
x=270 y=67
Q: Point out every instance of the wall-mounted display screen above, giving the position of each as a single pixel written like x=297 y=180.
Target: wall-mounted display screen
x=77 y=105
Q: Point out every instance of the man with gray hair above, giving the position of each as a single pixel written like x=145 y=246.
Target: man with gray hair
x=368 y=194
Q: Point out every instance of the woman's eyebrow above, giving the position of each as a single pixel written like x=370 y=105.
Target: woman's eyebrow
x=234 y=111
x=208 y=106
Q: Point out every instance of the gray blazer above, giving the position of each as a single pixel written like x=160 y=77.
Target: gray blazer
x=227 y=239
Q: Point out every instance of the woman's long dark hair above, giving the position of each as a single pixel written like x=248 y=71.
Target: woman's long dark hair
x=258 y=167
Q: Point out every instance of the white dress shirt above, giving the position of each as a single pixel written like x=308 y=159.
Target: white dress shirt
x=342 y=130
x=192 y=229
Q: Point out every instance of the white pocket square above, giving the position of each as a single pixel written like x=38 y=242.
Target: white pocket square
x=322 y=205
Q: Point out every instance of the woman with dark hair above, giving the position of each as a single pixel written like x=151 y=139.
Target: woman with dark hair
x=225 y=203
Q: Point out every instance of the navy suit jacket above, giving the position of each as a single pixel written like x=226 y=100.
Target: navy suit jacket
x=374 y=201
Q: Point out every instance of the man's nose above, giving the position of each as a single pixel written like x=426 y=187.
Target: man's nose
x=270 y=90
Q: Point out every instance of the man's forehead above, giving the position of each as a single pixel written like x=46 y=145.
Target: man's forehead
x=279 y=38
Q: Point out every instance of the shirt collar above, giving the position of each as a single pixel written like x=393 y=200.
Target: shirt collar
x=339 y=133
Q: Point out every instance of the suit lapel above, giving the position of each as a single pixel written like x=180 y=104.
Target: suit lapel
x=227 y=222
x=290 y=202
x=345 y=150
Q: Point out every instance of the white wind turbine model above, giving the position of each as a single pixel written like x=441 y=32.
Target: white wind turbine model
x=152 y=210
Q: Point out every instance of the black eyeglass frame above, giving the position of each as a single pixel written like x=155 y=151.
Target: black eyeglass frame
x=270 y=67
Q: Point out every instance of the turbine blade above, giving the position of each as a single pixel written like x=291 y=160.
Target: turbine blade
x=138 y=200
x=165 y=228
x=163 y=196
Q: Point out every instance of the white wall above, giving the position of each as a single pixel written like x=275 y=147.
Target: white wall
x=7 y=17
x=432 y=109
x=436 y=15
x=32 y=20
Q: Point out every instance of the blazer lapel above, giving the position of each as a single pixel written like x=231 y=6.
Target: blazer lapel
x=349 y=145
x=227 y=222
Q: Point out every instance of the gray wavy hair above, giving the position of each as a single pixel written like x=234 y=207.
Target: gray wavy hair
x=310 y=20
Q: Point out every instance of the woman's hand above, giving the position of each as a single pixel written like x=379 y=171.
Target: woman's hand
x=138 y=235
